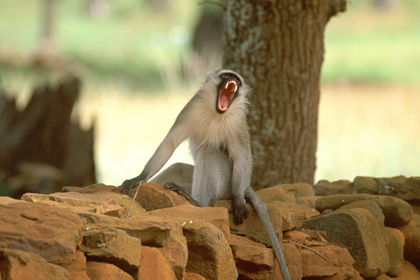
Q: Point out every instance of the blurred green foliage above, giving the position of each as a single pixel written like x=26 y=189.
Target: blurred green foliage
x=134 y=41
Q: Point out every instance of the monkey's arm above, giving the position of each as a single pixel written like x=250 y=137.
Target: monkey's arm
x=176 y=135
x=241 y=178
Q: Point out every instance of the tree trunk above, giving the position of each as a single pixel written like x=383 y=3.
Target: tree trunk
x=47 y=44
x=278 y=46
x=43 y=137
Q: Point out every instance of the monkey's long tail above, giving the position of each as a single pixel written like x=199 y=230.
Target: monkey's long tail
x=261 y=209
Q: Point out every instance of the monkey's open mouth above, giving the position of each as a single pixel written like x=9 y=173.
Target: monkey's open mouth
x=226 y=94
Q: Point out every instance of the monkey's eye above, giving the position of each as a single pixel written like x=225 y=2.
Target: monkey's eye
x=230 y=76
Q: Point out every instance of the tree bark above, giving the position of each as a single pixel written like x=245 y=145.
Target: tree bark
x=278 y=46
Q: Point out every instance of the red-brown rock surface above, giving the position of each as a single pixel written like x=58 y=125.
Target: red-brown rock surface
x=88 y=232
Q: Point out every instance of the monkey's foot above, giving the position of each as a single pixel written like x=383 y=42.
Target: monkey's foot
x=174 y=187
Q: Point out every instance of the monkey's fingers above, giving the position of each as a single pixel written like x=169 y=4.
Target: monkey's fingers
x=128 y=185
x=240 y=213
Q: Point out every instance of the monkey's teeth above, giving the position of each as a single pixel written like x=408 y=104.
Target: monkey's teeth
x=236 y=87
x=227 y=85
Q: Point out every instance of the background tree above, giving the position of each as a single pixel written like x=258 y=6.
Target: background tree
x=47 y=44
x=279 y=46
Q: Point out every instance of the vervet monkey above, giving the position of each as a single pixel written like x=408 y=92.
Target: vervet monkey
x=214 y=122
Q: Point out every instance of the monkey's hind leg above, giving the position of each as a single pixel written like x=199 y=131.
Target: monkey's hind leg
x=174 y=187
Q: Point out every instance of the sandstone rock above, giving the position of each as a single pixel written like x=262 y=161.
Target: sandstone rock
x=292 y=214
x=252 y=226
x=286 y=207
x=383 y=277
x=114 y=246
x=409 y=272
x=397 y=212
x=77 y=268
x=106 y=271
x=218 y=216
x=276 y=193
x=324 y=187
x=283 y=215
x=21 y=265
x=399 y=186
x=363 y=184
x=416 y=207
x=4 y=200
x=179 y=173
x=338 y=263
x=153 y=231
x=209 y=252
x=394 y=243
x=102 y=202
x=321 y=260
x=305 y=237
x=90 y=189
x=370 y=205
x=411 y=232
x=298 y=190
x=358 y=230
x=154 y=196
x=176 y=250
x=41 y=229
x=255 y=261
x=154 y=266
x=309 y=201
x=296 y=236
x=294 y=261
x=173 y=242
x=192 y=276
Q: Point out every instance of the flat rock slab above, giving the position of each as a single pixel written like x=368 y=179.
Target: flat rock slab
x=153 y=196
x=218 y=216
x=397 y=212
x=252 y=226
x=337 y=264
x=209 y=252
x=399 y=186
x=101 y=202
x=358 y=231
x=35 y=227
x=20 y=265
x=153 y=231
x=114 y=246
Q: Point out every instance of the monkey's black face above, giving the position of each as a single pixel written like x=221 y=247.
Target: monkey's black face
x=227 y=91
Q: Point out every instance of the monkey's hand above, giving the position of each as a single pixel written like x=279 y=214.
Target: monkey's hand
x=239 y=210
x=129 y=184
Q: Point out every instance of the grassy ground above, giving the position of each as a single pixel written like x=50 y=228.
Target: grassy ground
x=360 y=132
x=130 y=64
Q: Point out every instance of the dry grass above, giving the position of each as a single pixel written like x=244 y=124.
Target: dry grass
x=368 y=130
x=363 y=130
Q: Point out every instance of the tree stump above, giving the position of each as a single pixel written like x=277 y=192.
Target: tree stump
x=43 y=136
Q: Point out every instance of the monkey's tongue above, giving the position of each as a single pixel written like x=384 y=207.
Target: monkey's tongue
x=223 y=102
